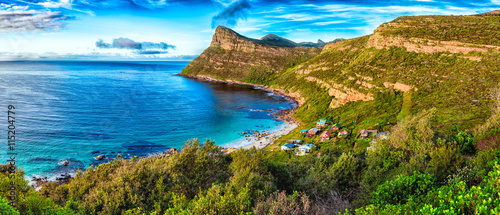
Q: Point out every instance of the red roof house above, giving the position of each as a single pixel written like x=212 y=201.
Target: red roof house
x=325 y=136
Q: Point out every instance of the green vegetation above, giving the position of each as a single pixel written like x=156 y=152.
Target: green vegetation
x=413 y=170
x=442 y=155
x=479 y=29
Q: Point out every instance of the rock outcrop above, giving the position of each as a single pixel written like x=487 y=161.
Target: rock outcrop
x=236 y=57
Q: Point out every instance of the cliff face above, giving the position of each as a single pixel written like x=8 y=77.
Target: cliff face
x=228 y=39
x=233 y=56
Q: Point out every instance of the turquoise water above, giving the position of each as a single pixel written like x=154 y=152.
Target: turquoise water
x=76 y=110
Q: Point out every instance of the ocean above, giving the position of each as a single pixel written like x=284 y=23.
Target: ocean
x=74 y=111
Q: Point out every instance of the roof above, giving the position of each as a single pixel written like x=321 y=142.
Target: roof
x=321 y=122
x=343 y=132
x=327 y=133
x=314 y=129
x=324 y=120
x=307 y=146
x=338 y=125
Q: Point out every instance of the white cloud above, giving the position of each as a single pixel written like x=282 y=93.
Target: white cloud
x=329 y=22
x=20 y=19
x=298 y=17
x=151 y=4
x=54 y=4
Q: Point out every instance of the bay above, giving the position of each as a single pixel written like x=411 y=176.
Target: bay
x=76 y=110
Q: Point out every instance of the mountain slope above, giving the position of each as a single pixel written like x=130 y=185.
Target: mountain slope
x=446 y=62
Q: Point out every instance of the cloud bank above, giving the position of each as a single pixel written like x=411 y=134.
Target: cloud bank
x=139 y=47
x=230 y=16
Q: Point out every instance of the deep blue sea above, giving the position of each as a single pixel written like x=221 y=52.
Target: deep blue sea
x=76 y=110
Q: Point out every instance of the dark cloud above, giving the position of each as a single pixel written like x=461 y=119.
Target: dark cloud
x=140 y=47
x=31 y=20
x=152 y=52
x=230 y=16
x=126 y=43
x=161 y=45
x=102 y=44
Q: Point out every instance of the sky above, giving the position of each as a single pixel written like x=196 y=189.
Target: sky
x=181 y=30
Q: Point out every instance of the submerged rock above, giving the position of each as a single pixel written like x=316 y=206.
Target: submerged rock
x=100 y=157
x=63 y=179
x=41 y=159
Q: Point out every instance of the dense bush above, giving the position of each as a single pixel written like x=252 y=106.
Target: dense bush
x=403 y=188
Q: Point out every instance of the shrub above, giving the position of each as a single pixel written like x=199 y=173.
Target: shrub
x=465 y=142
x=414 y=133
x=403 y=188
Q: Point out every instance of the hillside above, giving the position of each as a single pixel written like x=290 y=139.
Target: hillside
x=446 y=62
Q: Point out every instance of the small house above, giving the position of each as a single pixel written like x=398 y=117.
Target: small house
x=343 y=134
x=366 y=133
x=287 y=146
x=336 y=127
x=312 y=132
x=303 y=131
x=320 y=124
x=304 y=149
x=325 y=136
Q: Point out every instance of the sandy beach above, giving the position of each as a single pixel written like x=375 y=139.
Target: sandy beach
x=266 y=140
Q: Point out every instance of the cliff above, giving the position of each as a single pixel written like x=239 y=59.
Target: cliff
x=407 y=65
x=233 y=56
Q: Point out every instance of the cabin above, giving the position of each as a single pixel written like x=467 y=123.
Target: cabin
x=287 y=146
x=304 y=131
x=325 y=136
x=312 y=132
x=336 y=127
x=320 y=124
x=366 y=133
x=343 y=134
x=304 y=149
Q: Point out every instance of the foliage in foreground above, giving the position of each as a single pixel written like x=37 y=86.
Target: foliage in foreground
x=413 y=171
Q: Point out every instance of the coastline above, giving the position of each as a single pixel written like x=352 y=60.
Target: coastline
x=286 y=116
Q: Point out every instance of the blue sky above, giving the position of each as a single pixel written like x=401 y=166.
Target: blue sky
x=173 y=29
